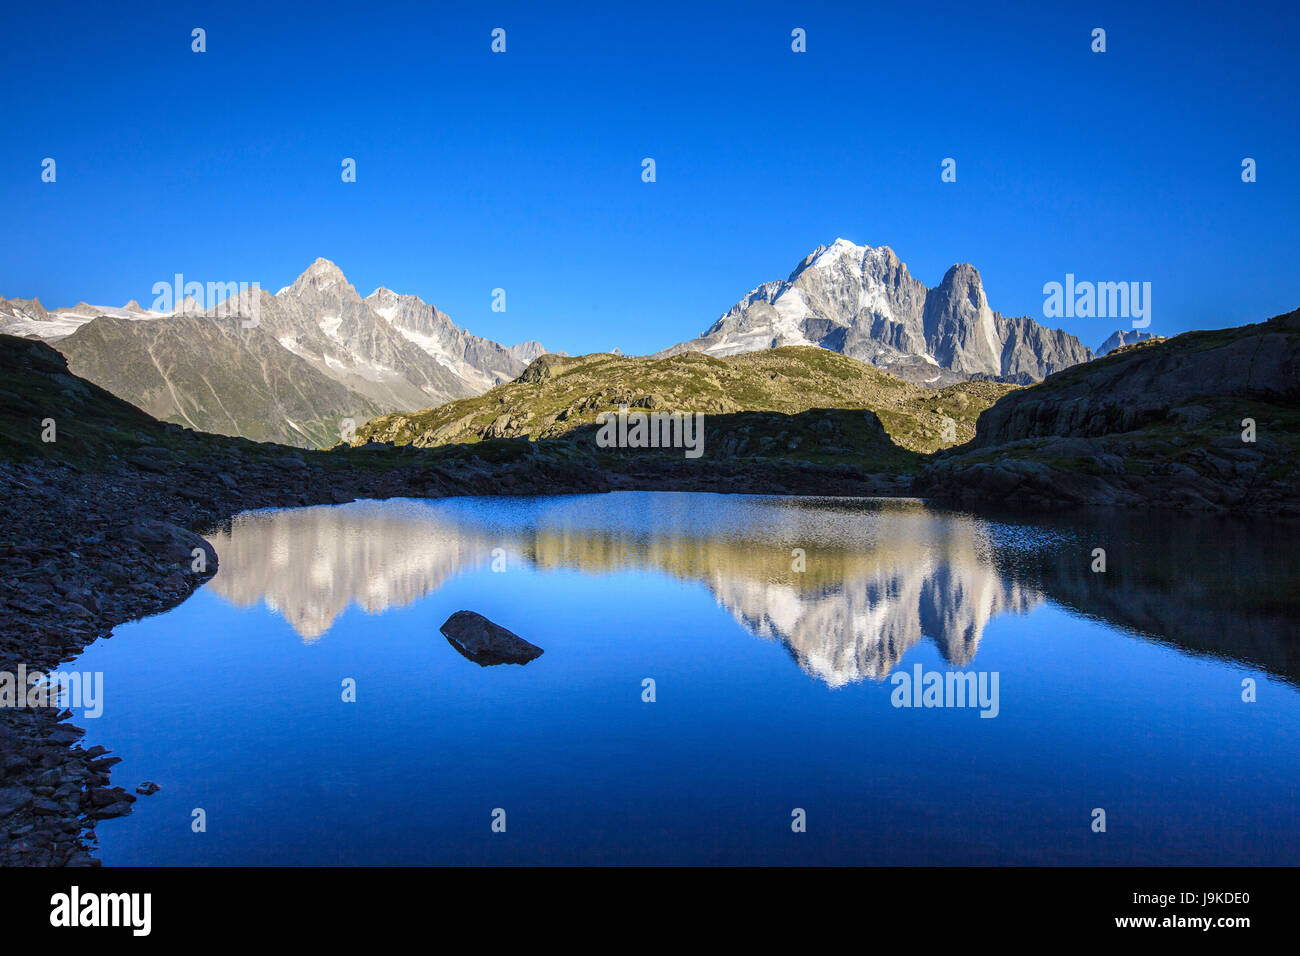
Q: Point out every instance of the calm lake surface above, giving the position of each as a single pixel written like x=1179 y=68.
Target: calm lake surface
x=774 y=630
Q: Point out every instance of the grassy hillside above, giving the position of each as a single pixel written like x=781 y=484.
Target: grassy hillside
x=799 y=402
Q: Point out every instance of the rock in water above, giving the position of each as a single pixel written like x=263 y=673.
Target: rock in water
x=486 y=643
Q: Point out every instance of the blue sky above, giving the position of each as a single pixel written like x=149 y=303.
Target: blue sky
x=523 y=171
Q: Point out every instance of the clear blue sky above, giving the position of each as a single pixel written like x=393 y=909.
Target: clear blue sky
x=523 y=170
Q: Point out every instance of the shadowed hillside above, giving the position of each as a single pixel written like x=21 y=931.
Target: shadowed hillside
x=1206 y=420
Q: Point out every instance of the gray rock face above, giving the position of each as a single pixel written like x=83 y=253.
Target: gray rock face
x=27 y=309
x=480 y=363
x=525 y=352
x=863 y=303
x=486 y=643
x=1122 y=337
x=960 y=331
x=214 y=376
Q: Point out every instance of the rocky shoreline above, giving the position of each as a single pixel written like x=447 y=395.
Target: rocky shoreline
x=1224 y=476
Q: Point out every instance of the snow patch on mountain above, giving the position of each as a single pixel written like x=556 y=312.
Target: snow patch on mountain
x=791 y=307
x=29 y=319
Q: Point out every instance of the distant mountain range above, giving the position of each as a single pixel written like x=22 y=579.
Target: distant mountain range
x=321 y=355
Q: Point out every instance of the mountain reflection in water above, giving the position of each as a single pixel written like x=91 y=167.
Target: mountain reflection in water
x=879 y=575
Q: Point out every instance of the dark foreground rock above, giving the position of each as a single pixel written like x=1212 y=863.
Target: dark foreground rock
x=486 y=643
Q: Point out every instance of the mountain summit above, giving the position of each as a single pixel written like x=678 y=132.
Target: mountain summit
x=864 y=303
x=320 y=276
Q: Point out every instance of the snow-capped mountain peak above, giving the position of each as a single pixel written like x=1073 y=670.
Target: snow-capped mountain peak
x=827 y=255
x=862 y=301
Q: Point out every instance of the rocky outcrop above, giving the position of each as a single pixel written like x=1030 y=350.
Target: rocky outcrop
x=173 y=544
x=486 y=643
x=1143 y=385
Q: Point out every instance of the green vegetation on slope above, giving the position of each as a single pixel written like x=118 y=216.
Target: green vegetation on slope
x=798 y=402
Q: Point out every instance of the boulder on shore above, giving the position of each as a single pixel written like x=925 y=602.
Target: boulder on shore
x=172 y=544
x=485 y=643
